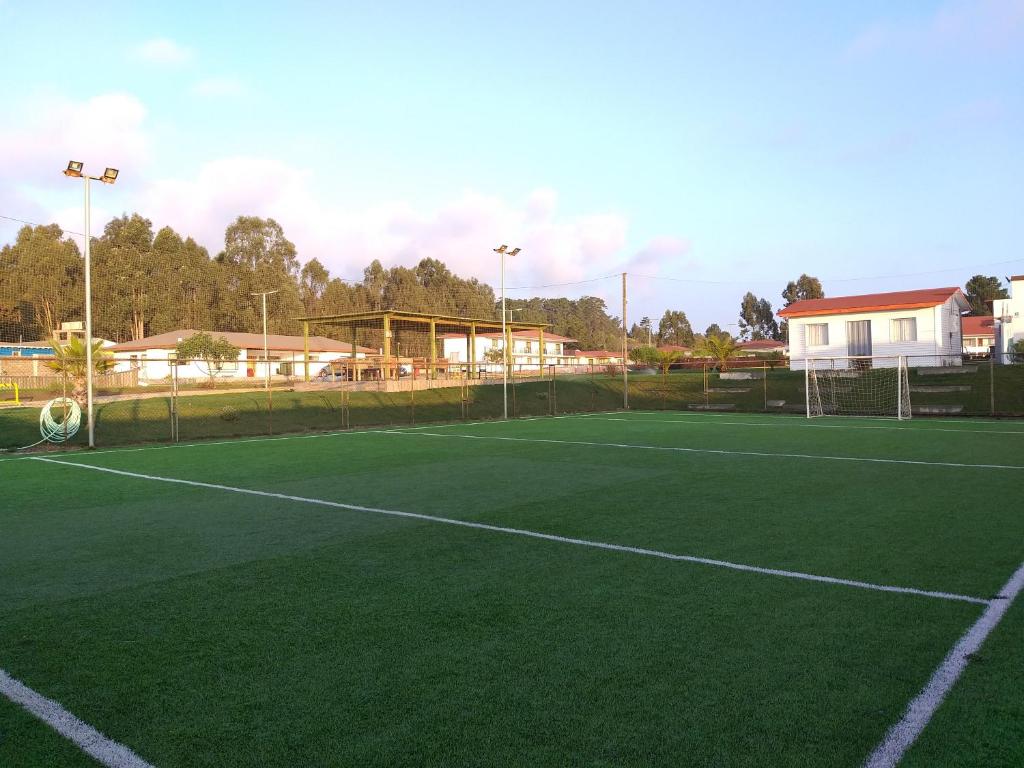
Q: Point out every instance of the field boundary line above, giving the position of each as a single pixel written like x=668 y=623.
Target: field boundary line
x=369 y=429
x=106 y=751
x=714 y=451
x=538 y=535
x=919 y=712
x=909 y=430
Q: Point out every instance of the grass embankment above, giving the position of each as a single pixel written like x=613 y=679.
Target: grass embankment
x=253 y=413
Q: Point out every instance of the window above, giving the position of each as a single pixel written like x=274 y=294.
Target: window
x=817 y=334
x=904 y=329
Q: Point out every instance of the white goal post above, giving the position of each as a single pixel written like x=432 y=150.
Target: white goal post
x=857 y=386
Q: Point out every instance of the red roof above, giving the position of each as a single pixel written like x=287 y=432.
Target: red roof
x=978 y=326
x=275 y=341
x=761 y=344
x=871 y=302
x=1017 y=277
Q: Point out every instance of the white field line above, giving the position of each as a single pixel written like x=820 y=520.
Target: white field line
x=368 y=430
x=904 y=733
x=82 y=735
x=910 y=430
x=912 y=424
x=535 y=535
x=715 y=451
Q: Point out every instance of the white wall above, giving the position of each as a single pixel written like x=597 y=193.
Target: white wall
x=1012 y=328
x=938 y=342
x=154 y=364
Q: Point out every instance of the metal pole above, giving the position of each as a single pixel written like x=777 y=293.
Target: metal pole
x=88 y=321
x=625 y=349
x=992 y=382
x=504 y=344
x=266 y=352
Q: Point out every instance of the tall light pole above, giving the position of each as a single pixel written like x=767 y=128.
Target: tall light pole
x=74 y=170
x=504 y=332
x=266 y=353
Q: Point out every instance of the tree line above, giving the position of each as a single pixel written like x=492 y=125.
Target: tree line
x=147 y=282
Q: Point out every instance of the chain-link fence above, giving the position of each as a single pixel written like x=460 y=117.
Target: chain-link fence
x=133 y=405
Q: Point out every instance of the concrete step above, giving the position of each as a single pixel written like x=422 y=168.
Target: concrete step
x=943 y=371
x=937 y=410
x=727 y=390
x=927 y=388
x=712 y=407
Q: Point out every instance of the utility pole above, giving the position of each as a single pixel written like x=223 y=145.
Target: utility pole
x=266 y=353
x=625 y=349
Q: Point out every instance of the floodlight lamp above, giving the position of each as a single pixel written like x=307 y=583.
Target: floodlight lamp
x=502 y=249
x=109 y=176
x=74 y=169
x=514 y=251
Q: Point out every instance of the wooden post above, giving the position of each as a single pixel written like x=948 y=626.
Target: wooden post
x=540 y=337
x=386 y=362
x=433 y=349
x=472 y=350
x=305 y=350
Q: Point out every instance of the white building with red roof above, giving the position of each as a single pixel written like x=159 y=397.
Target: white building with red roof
x=1009 y=318
x=979 y=335
x=525 y=350
x=924 y=326
x=153 y=356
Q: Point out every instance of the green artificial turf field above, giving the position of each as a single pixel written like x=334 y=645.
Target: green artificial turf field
x=620 y=589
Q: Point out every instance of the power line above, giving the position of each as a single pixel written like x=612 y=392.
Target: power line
x=561 y=285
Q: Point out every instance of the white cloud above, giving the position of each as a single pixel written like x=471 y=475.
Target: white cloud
x=460 y=232
x=163 y=52
x=219 y=87
x=106 y=130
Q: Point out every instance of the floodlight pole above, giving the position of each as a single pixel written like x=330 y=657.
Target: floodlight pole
x=88 y=319
x=74 y=170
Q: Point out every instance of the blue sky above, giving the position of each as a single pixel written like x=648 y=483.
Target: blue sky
x=737 y=143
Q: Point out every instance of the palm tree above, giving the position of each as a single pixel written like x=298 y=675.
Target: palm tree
x=664 y=359
x=719 y=347
x=70 y=360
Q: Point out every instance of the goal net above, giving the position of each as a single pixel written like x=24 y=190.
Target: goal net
x=858 y=386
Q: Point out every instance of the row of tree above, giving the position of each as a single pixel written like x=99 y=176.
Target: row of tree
x=147 y=282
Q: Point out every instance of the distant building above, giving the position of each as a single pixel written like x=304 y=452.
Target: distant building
x=762 y=345
x=924 y=326
x=597 y=357
x=1009 y=317
x=979 y=335
x=154 y=355
x=525 y=350
x=682 y=350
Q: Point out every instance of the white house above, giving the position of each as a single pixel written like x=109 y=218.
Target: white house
x=979 y=335
x=591 y=357
x=1009 y=317
x=525 y=350
x=154 y=355
x=924 y=326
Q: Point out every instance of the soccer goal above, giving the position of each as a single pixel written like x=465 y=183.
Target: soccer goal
x=857 y=386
